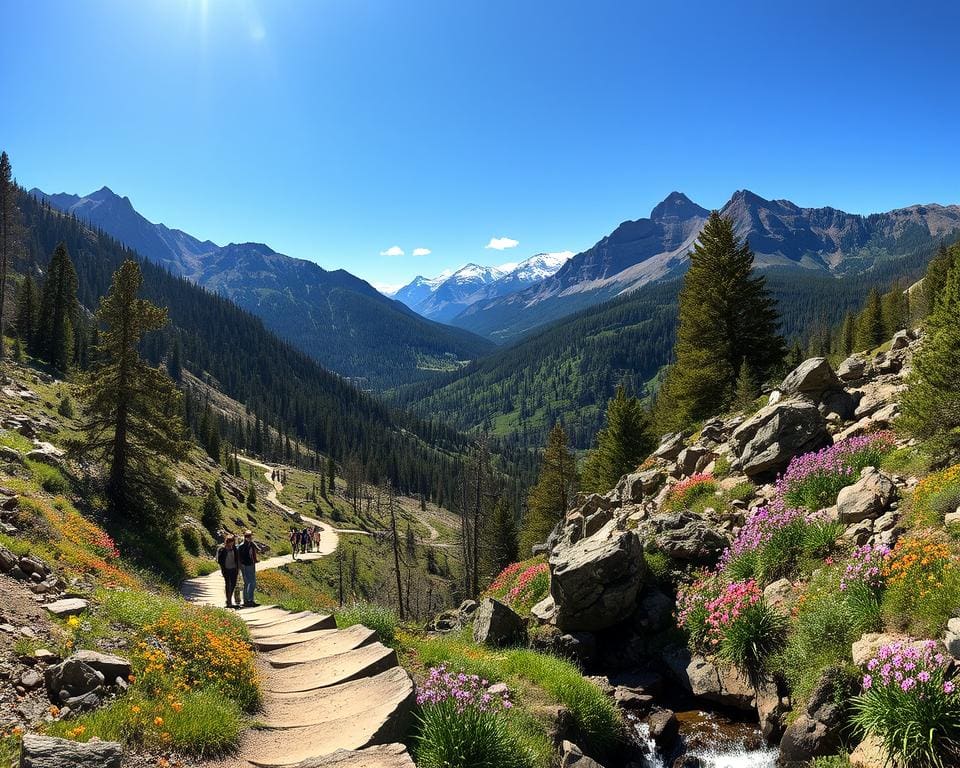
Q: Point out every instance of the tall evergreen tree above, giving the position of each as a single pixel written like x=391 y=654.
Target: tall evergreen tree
x=895 y=308
x=27 y=309
x=59 y=311
x=726 y=316
x=936 y=276
x=550 y=497
x=930 y=406
x=621 y=445
x=502 y=548
x=11 y=231
x=870 y=329
x=848 y=334
x=131 y=409
x=747 y=388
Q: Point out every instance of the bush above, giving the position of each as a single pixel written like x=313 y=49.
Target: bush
x=191 y=539
x=49 y=478
x=909 y=703
x=462 y=725
x=923 y=584
x=65 y=408
x=522 y=585
x=813 y=480
x=373 y=616
x=211 y=514
x=688 y=491
x=751 y=638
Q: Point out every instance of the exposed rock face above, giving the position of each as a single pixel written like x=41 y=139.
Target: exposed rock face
x=869 y=754
x=685 y=536
x=765 y=443
x=572 y=757
x=852 y=369
x=817 y=730
x=634 y=487
x=868 y=498
x=497 y=624
x=48 y=752
x=595 y=581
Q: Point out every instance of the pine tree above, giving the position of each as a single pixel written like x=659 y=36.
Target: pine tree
x=251 y=494
x=621 y=445
x=502 y=549
x=895 y=310
x=131 y=409
x=870 y=330
x=58 y=311
x=331 y=474
x=211 y=513
x=936 y=276
x=27 y=311
x=726 y=316
x=930 y=406
x=747 y=388
x=848 y=333
x=550 y=497
x=11 y=232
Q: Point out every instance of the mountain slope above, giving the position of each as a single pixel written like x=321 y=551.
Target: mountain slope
x=226 y=346
x=781 y=233
x=335 y=317
x=568 y=370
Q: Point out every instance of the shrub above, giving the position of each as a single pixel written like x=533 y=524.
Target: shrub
x=65 y=408
x=923 y=583
x=909 y=703
x=813 y=480
x=211 y=515
x=741 y=627
x=522 y=585
x=692 y=612
x=689 y=490
x=191 y=539
x=373 y=616
x=742 y=491
x=462 y=725
x=49 y=478
x=927 y=504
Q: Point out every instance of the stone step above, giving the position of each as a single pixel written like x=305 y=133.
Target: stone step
x=337 y=702
x=382 y=722
x=380 y=756
x=266 y=619
x=334 y=642
x=360 y=662
x=284 y=639
x=308 y=623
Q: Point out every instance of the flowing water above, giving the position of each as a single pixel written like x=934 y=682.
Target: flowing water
x=719 y=742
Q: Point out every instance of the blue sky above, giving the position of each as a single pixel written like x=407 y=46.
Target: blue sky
x=335 y=131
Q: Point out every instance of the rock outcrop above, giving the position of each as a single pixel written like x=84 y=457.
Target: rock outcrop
x=765 y=443
x=48 y=752
x=498 y=624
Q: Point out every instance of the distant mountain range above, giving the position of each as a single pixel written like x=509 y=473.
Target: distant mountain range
x=781 y=233
x=446 y=296
x=337 y=318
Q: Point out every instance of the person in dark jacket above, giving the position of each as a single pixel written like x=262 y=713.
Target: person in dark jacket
x=247 y=552
x=229 y=561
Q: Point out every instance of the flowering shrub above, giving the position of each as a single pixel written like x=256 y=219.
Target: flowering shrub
x=463 y=724
x=692 y=612
x=688 y=490
x=522 y=585
x=923 y=583
x=732 y=602
x=865 y=566
x=922 y=560
x=935 y=495
x=813 y=480
x=909 y=703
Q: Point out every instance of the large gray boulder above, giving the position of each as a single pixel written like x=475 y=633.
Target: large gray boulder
x=595 y=582
x=812 y=378
x=866 y=499
x=48 y=752
x=816 y=731
x=765 y=443
x=721 y=684
x=498 y=624
x=71 y=678
x=689 y=537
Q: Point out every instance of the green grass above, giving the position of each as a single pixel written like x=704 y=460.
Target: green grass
x=15 y=440
x=51 y=479
x=536 y=675
x=372 y=616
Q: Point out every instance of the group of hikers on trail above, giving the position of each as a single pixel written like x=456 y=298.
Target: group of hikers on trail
x=235 y=559
x=303 y=541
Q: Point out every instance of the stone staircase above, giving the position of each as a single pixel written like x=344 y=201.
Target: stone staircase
x=331 y=697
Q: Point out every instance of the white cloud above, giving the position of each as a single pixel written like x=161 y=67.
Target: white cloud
x=502 y=243
x=421 y=251
x=393 y=250
x=388 y=289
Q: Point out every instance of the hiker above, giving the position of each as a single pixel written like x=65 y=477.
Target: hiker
x=229 y=563
x=305 y=540
x=316 y=538
x=247 y=552
x=294 y=541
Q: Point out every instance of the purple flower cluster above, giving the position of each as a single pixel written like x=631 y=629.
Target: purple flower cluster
x=761 y=526
x=865 y=566
x=462 y=690
x=916 y=668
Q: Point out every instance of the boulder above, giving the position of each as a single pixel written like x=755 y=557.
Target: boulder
x=71 y=606
x=111 y=667
x=595 y=582
x=46 y=453
x=779 y=595
x=689 y=459
x=497 y=624
x=818 y=729
x=72 y=677
x=772 y=709
x=8 y=560
x=49 y=752
x=839 y=405
x=720 y=684
x=866 y=499
x=688 y=537
x=765 y=443
x=664 y=728
x=952 y=638
x=852 y=369
x=633 y=488
x=572 y=757
x=867 y=646
x=901 y=340
x=670 y=446
x=812 y=378
x=869 y=754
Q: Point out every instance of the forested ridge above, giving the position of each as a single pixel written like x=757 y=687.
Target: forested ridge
x=569 y=370
x=279 y=385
